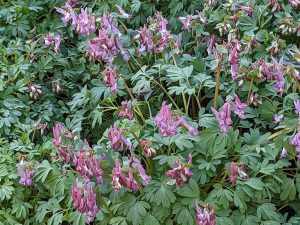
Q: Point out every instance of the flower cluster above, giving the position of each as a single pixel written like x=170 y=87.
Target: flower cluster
x=167 y=124
x=180 y=173
x=84 y=200
x=26 y=172
x=237 y=171
x=107 y=45
x=274 y=72
x=34 y=91
x=205 y=216
x=127 y=110
x=64 y=150
x=234 y=55
x=119 y=178
x=223 y=117
x=295 y=141
x=83 y=23
x=50 y=39
x=110 y=79
x=117 y=140
x=147 y=150
x=88 y=166
x=239 y=107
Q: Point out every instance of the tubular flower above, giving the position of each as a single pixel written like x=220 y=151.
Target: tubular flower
x=64 y=151
x=294 y=3
x=106 y=46
x=186 y=22
x=26 y=173
x=237 y=171
x=34 y=91
x=274 y=72
x=123 y=13
x=126 y=112
x=85 y=23
x=167 y=125
x=223 y=117
x=283 y=154
x=297 y=106
x=246 y=9
x=50 y=39
x=117 y=139
x=180 y=173
x=239 y=107
x=211 y=45
x=147 y=150
x=234 y=57
x=296 y=142
x=145 y=178
x=146 y=41
x=84 y=200
x=119 y=178
x=205 y=217
x=275 y=4
x=162 y=22
x=68 y=14
x=278 y=118
x=88 y=166
x=110 y=78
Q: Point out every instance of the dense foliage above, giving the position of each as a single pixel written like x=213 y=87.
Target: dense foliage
x=149 y=112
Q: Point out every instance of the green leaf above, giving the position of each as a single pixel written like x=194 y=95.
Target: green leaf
x=288 y=190
x=137 y=211
x=255 y=183
x=43 y=172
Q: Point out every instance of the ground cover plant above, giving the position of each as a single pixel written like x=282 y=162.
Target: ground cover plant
x=149 y=112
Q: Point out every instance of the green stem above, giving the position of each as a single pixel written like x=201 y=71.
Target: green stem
x=250 y=89
x=218 y=81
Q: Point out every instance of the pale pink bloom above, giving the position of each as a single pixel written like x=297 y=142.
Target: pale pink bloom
x=186 y=22
x=180 y=173
x=224 y=117
x=84 y=200
x=123 y=13
x=205 y=217
x=283 y=154
x=239 y=107
x=127 y=110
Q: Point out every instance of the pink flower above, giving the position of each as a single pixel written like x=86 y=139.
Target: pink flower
x=84 y=200
x=88 y=166
x=146 y=41
x=239 y=107
x=145 y=178
x=110 y=78
x=68 y=14
x=127 y=110
x=167 y=125
x=180 y=173
x=50 y=39
x=283 y=154
x=296 y=141
x=162 y=22
x=205 y=217
x=117 y=139
x=246 y=9
x=211 y=45
x=223 y=117
x=237 y=171
x=119 y=178
x=147 y=150
x=233 y=58
x=278 y=118
x=26 y=173
x=163 y=41
x=126 y=15
x=297 y=106
x=275 y=4
x=186 y=22
x=274 y=72
x=85 y=23
x=294 y=3
x=34 y=91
